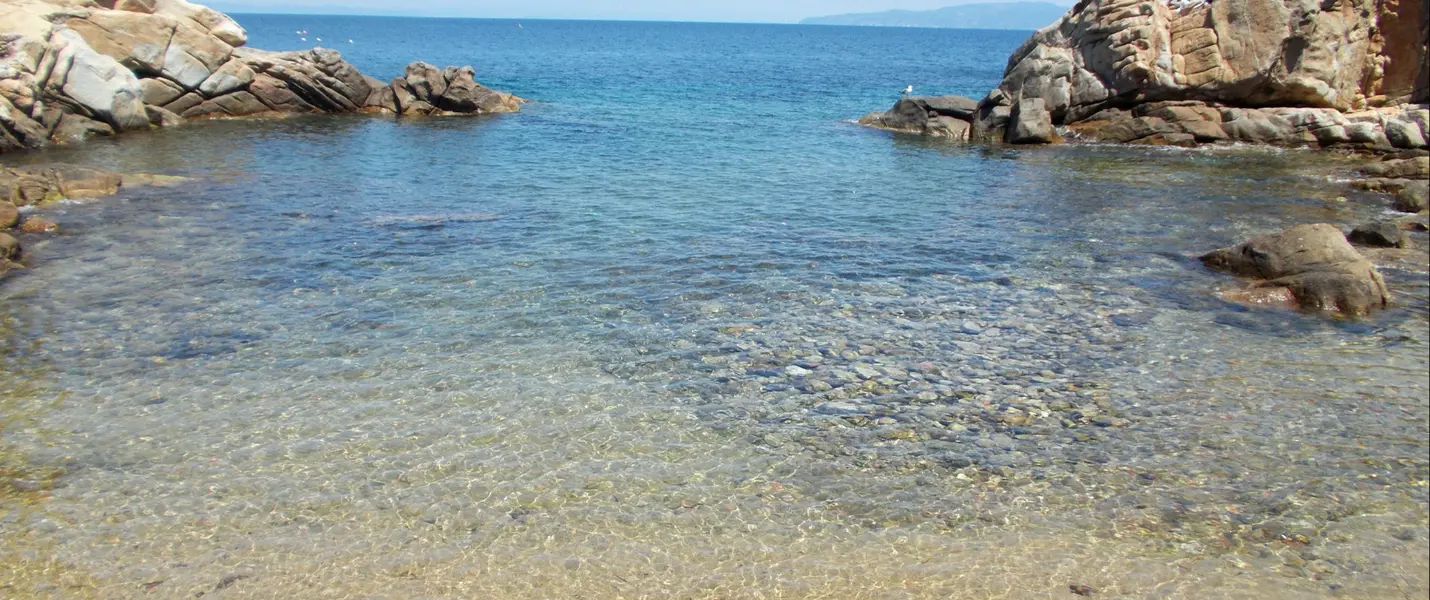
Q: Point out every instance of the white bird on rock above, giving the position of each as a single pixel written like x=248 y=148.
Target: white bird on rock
x=908 y=90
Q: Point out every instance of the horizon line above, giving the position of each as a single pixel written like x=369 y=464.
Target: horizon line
x=601 y=20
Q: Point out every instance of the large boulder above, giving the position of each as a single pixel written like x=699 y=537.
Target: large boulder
x=1314 y=263
x=465 y=95
x=1379 y=234
x=1347 y=55
x=425 y=90
x=92 y=83
x=1031 y=123
x=939 y=116
x=74 y=128
x=18 y=130
x=1366 y=57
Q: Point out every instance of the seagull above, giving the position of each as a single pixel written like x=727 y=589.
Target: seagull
x=320 y=39
x=350 y=41
x=908 y=90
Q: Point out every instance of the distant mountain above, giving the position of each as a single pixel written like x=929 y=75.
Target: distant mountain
x=1000 y=15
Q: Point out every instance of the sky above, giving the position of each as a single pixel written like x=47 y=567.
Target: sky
x=756 y=11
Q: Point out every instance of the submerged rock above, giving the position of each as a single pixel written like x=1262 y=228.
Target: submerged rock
x=39 y=225
x=9 y=248
x=1381 y=234
x=9 y=215
x=1314 y=263
x=47 y=183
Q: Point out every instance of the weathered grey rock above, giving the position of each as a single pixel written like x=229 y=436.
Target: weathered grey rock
x=957 y=107
x=133 y=63
x=1314 y=262
x=95 y=82
x=426 y=81
x=952 y=128
x=234 y=75
x=74 y=128
x=20 y=129
x=382 y=100
x=938 y=116
x=1404 y=134
x=276 y=95
x=1259 y=127
x=1233 y=52
x=1031 y=123
x=464 y=95
x=158 y=91
x=161 y=117
x=237 y=104
x=1380 y=234
x=1122 y=128
x=184 y=103
x=401 y=95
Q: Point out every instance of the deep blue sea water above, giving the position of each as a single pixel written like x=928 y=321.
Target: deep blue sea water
x=681 y=328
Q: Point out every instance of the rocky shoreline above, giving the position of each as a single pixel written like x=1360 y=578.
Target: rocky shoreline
x=1348 y=75
x=1257 y=71
x=72 y=69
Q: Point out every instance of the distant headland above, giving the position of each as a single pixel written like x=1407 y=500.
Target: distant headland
x=1027 y=16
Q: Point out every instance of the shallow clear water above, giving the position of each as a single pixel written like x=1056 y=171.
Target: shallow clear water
x=680 y=329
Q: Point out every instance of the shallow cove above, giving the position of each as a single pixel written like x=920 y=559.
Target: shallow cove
x=549 y=355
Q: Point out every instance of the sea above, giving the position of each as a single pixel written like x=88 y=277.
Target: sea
x=682 y=328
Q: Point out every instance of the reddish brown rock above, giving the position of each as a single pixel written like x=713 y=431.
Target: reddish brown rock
x=1315 y=263
x=39 y=225
x=9 y=215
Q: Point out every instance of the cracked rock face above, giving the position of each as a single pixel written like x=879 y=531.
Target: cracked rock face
x=71 y=69
x=1349 y=55
x=1284 y=72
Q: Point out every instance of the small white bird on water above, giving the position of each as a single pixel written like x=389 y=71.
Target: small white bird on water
x=908 y=90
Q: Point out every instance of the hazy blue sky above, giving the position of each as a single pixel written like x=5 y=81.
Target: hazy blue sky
x=722 y=10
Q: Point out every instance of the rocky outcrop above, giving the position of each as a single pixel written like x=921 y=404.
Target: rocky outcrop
x=426 y=90
x=1285 y=72
x=1313 y=267
x=1380 y=234
x=37 y=186
x=941 y=116
x=71 y=69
